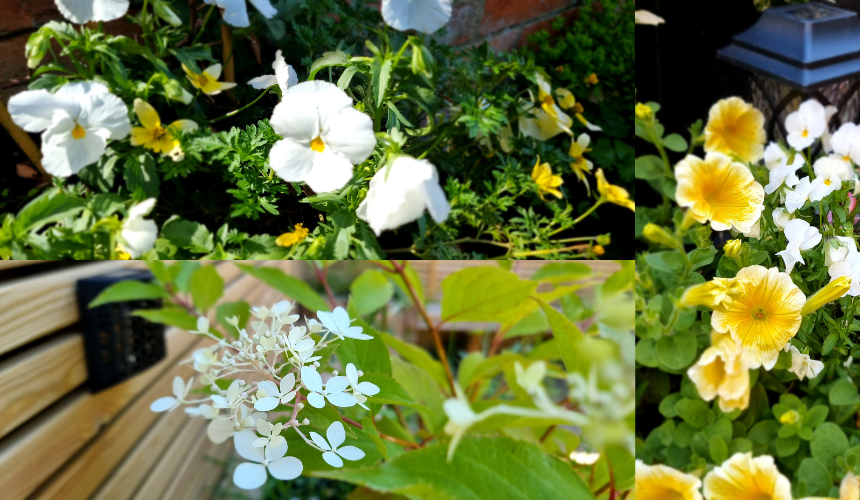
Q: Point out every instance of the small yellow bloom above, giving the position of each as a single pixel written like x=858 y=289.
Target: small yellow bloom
x=830 y=292
x=732 y=248
x=743 y=477
x=592 y=79
x=719 y=190
x=565 y=98
x=715 y=294
x=546 y=182
x=288 y=239
x=659 y=482
x=598 y=250
x=722 y=372
x=656 y=234
x=735 y=126
x=559 y=69
x=207 y=81
x=612 y=193
x=790 y=417
x=581 y=166
x=121 y=255
x=643 y=111
x=764 y=316
x=152 y=135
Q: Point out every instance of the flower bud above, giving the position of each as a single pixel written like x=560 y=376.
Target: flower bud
x=831 y=291
x=656 y=234
x=300 y=405
x=306 y=421
x=643 y=111
x=688 y=222
x=717 y=294
x=603 y=239
x=598 y=250
x=790 y=417
x=732 y=248
x=334 y=373
x=781 y=217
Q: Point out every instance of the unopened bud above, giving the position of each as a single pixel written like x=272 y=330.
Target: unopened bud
x=334 y=372
x=656 y=234
x=732 y=248
x=830 y=292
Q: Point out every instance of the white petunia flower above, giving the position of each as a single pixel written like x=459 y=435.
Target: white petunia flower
x=234 y=396
x=829 y=111
x=803 y=366
x=801 y=236
x=806 y=124
x=77 y=122
x=84 y=11
x=284 y=77
x=271 y=395
x=584 y=458
x=425 y=16
x=849 y=267
x=221 y=429
x=797 y=198
x=337 y=323
x=138 y=235
x=781 y=217
x=236 y=12
x=336 y=436
x=360 y=389
x=180 y=390
x=773 y=156
x=845 y=143
x=204 y=410
x=333 y=390
x=784 y=173
x=411 y=186
x=323 y=136
x=249 y=476
x=271 y=434
x=837 y=249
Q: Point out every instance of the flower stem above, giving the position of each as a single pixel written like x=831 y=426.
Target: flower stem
x=322 y=276
x=243 y=108
x=587 y=212
x=203 y=26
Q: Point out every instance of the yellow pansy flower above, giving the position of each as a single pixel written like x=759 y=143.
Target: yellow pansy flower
x=719 y=190
x=743 y=477
x=719 y=293
x=152 y=135
x=547 y=183
x=544 y=119
x=848 y=490
x=735 y=126
x=207 y=81
x=659 y=482
x=288 y=239
x=764 y=316
x=581 y=166
x=721 y=371
x=568 y=101
x=612 y=193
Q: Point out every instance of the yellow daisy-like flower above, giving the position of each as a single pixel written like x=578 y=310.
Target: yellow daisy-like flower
x=207 y=81
x=581 y=166
x=718 y=294
x=612 y=193
x=722 y=372
x=659 y=482
x=719 y=190
x=152 y=135
x=764 y=315
x=288 y=239
x=546 y=182
x=743 y=477
x=737 y=127
x=848 y=490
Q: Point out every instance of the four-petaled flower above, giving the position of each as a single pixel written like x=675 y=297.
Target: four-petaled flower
x=336 y=436
x=233 y=397
x=252 y=475
x=271 y=395
x=180 y=390
x=271 y=434
x=337 y=323
x=333 y=390
x=360 y=389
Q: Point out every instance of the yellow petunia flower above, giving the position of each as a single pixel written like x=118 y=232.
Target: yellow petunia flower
x=581 y=166
x=612 y=193
x=288 y=239
x=207 y=81
x=743 y=477
x=828 y=293
x=546 y=182
x=719 y=190
x=722 y=372
x=764 y=315
x=848 y=490
x=732 y=248
x=735 y=126
x=719 y=293
x=659 y=482
x=152 y=135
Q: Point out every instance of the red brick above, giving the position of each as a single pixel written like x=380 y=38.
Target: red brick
x=505 y=41
x=24 y=14
x=461 y=27
x=546 y=24
x=12 y=54
x=499 y=14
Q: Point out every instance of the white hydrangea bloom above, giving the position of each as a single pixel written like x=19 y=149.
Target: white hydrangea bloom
x=333 y=390
x=337 y=323
x=84 y=11
x=360 y=389
x=336 y=437
x=236 y=12
x=837 y=249
x=584 y=458
x=233 y=397
x=806 y=124
x=204 y=410
x=425 y=16
x=802 y=365
x=168 y=403
x=271 y=395
x=849 y=267
x=138 y=235
x=202 y=325
x=221 y=429
x=204 y=358
x=284 y=77
x=297 y=340
x=271 y=434
x=249 y=476
x=801 y=236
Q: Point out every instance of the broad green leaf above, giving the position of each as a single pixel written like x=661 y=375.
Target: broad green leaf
x=164 y=11
x=390 y=392
x=481 y=469
x=483 y=294
x=492 y=366
x=335 y=58
x=52 y=206
x=411 y=275
x=567 y=336
x=467 y=368
x=675 y=143
x=423 y=390
x=373 y=434
x=678 y=351
x=370 y=291
x=562 y=271
x=367 y=355
x=207 y=287
x=693 y=411
x=816 y=476
x=418 y=357
x=240 y=310
x=828 y=442
x=622 y=280
x=172 y=317
x=292 y=287
x=534 y=322
x=160 y=271
x=844 y=392
x=129 y=290
x=381 y=77
x=182 y=272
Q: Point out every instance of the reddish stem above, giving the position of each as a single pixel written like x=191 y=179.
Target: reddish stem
x=383 y=436
x=322 y=276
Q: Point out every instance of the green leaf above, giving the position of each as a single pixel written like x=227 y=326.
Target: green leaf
x=816 y=476
x=381 y=77
x=481 y=469
x=52 y=206
x=558 y=272
x=390 y=392
x=164 y=11
x=129 y=290
x=418 y=357
x=467 y=367
x=336 y=58
x=292 y=287
x=370 y=291
x=343 y=83
x=367 y=355
x=140 y=174
x=844 y=392
x=678 y=351
x=828 y=442
x=483 y=294
x=207 y=287
x=172 y=317
x=241 y=310
x=411 y=275
x=816 y=416
x=373 y=434
x=693 y=411
x=675 y=143
x=567 y=336
x=719 y=449
x=649 y=167
x=423 y=390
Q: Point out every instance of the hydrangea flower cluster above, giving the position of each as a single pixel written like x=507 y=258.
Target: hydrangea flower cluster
x=272 y=371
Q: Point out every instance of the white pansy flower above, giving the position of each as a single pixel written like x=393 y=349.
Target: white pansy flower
x=323 y=136
x=781 y=217
x=221 y=429
x=837 y=249
x=204 y=410
x=799 y=196
x=784 y=173
x=411 y=186
x=849 y=267
x=272 y=395
x=84 y=11
x=233 y=397
x=773 y=156
x=806 y=124
x=801 y=236
x=425 y=16
x=803 y=366
x=180 y=390
x=337 y=323
x=845 y=143
x=284 y=77
x=829 y=174
x=829 y=111
x=271 y=434
x=77 y=122
x=584 y=458
x=249 y=476
x=336 y=436
x=333 y=390
x=645 y=17
x=360 y=389
x=138 y=235
x=236 y=12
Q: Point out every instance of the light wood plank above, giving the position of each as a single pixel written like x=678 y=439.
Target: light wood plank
x=189 y=475
x=174 y=460
x=9 y=264
x=51 y=371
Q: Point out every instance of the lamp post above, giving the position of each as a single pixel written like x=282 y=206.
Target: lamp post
x=798 y=52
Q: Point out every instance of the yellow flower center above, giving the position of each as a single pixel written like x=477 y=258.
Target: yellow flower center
x=78 y=132
x=202 y=80
x=318 y=145
x=758 y=313
x=158 y=132
x=805 y=134
x=846 y=158
x=826 y=182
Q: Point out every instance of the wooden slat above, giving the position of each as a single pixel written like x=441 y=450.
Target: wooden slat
x=50 y=370
x=9 y=264
x=173 y=460
x=188 y=477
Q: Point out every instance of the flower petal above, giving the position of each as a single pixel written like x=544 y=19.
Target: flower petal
x=368 y=388
x=316 y=400
x=244 y=443
x=319 y=440
x=249 y=476
x=352 y=374
x=291 y=160
x=276 y=450
x=332 y=459
x=350 y=453
x=163 y=404
x=266 y=404
x=330 y=172
x=349 y=132
x=219 y=430
x=311 y=379
x=335 y=434
x=285 y=468
x=336 y=384
x=341 y=399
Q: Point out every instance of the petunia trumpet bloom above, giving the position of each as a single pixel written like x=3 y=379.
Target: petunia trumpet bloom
x=425 y=16
x=743 y=477
x=284 y=77
x=323 y=136
x=659 y=482
x=84 y=11
x=721 y=371
x=735 y=126
x=236 y=12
